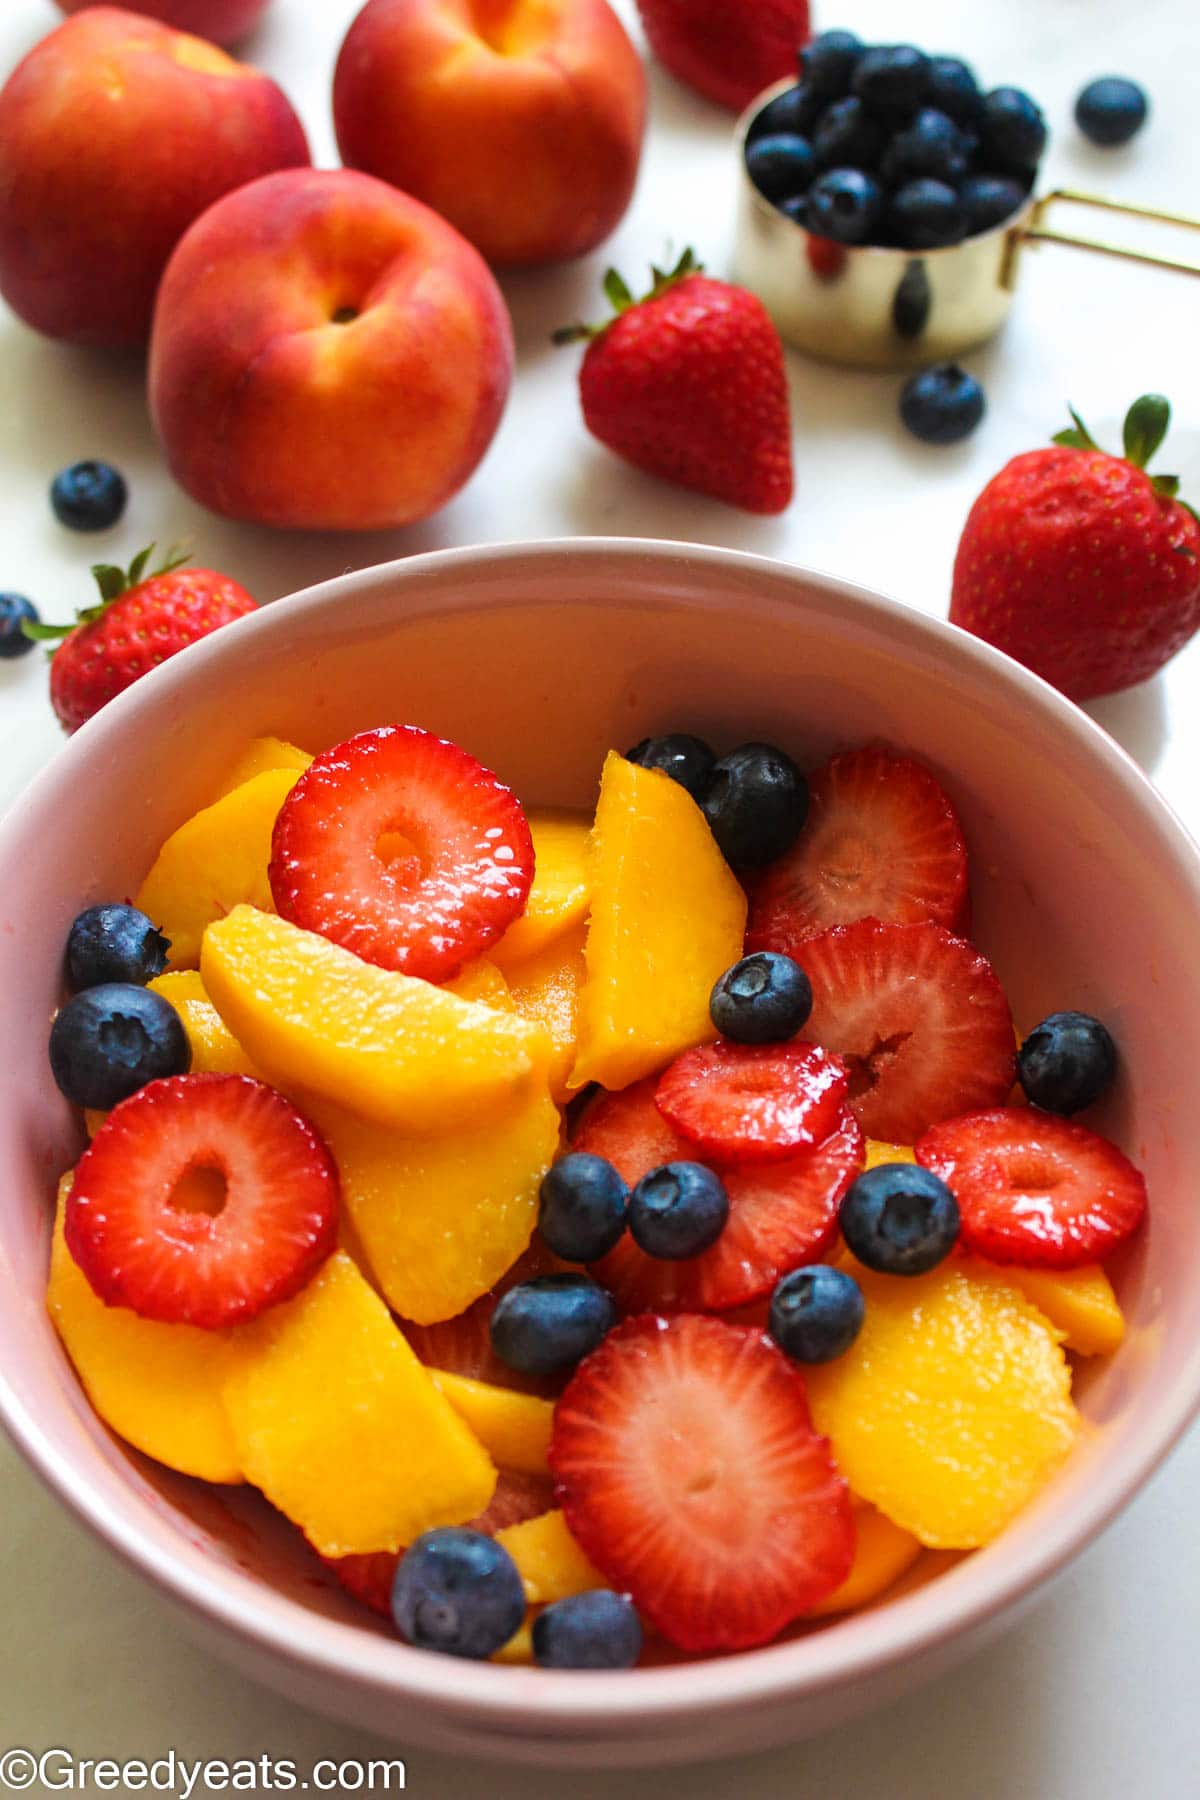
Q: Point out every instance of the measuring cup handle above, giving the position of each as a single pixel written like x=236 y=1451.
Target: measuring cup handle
x=1035 y=232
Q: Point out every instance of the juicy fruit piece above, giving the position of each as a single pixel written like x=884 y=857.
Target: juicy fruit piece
x=114 y=943
x=780 y=1214
x=109 y=1041
x=202 y=1200
x=582 y=1207
x=596 y=1630
x=1078 y=1302
x=927 y=214
x=878 y=1153
x=689 y=1472
x=1035 y=1189
x=215 y=861
x=1012 y=131
x=667 y=919
x=562 y=887
x=403 y=848
x=755 y=801
x=891 y=77
x=685 y=758
x=215 y=1050
x=816 y=1313
x=728 y=54
x=899 y=1219
x=780 y=166
x=441 y=1217
x=552 y=1565
x=341 y=1427
x=828 y=63
x=1066 y=1062
x=387 y=1046
x=741 y=1103
x=1081 y=565
x=463 y=1345
x=881 y=840
x=481 y=980
x=883 y=1552
x=513 y=1428
x=942 y=404
x=547 y=1324
x=88 y=496
x=990 y=199
x=918 y=1015
x=1111 y=110
x=457 y=1591
x=844 y=205
x=260 y=755
x=678 y=1212
x=546 y=989
x=953 y=1406
x=764 y=999
x=157 y=1386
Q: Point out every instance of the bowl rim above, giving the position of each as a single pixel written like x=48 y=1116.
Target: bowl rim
x=515 y=1701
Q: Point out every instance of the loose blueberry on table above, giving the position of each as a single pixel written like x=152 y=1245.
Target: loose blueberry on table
x=1111 y=110
x=88 y=496
x=941 y=405
x=15 y=613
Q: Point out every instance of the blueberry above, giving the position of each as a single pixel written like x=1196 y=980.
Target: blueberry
x=792 y=113
x=899 y=1218
x=678 y=1211
x=954 y=90
x=111 y=1040
x=89 y=496
x=847 y=137
x=763 y=999
x=990 y=199
x=459 y=1592
x=550 y=1323
x=845 y=205
x=927 y=214
x=14 y=610
x=582 y=1210
x=828 y=63
x=780 y=165
x=816 y=1313
x=893 y=80
x=942 y=404
x=931 y=145
x=1111 y=110
x=1066 y=1062
x=114 y=943
x=756 y=801
x=594 y=1630
x=1012 y=132
x=687 y=760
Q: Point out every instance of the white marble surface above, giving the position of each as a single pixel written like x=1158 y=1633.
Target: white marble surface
x=1094 y=1695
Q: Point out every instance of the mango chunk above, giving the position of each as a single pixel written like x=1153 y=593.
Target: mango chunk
x=878 y=1152
x=668 y=917
x=214 y=862
x=513 y=1428
x=481 y=980
x=340 y=1426
x=545 y=989
x=550 y=1562
x=440 y=1218
x=387 y=1046
x=562 y=886
x=261 y=754
x=215 y=1050
x=158 y=1386
x=1079 y=1302
x=519 y=1648
x=953 y=1405
x=883 y=1553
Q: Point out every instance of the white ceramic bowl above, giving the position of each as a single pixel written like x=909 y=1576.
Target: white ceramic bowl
x=538 y=658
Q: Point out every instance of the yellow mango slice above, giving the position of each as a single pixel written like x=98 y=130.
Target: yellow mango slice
x=513 y=1428
x=214 y=862
x=215 y=1050
x=481 y=980
x=384 y=1045
x=261 y=754
x=545 y=988
x=158 y=1386
x=340 y=1426
x=519 y=1648
x=953 y=1405
x=550 y=1562
x=1079 y=1302
x=878 y=1152
x=562 y=886
x=883 y=1552
x=668 y=917
x=440 y=1218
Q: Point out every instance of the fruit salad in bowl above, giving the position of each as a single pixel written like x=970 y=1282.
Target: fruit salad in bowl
x=614 y=1194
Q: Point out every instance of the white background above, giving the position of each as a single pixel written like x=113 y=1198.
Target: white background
x=1094 y=1697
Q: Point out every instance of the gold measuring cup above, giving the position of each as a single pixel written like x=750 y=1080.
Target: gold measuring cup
x=875 y=308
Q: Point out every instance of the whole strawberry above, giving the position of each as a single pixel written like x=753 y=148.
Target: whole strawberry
x=689 y=383
x=728 y=50
x=1081 y=565
x=140 y=620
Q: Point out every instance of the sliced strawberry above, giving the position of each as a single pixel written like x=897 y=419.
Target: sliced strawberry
x=463 y=1346
x=740 y=1103
x=780 y=1214
x=919 y=1017
x=689 y=1472
x=881 y=841
x=201 y=1200
x=1035 y=1189
x=401 y=847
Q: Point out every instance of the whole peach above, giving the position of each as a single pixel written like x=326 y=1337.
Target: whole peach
x=327 y=352
x=519 y=120
x=115 y=133
x=224 y=21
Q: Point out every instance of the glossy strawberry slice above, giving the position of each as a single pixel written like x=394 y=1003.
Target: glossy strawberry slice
x=689 y=1472
x=919 y=1017
x=881 y=841
x=463 y=1345
x=401 y=847
x=201 y=1200
x=781 y=1214
x=1035 y=1189
x=741 y=1103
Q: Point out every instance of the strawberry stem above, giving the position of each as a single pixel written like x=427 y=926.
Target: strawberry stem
x=1145 y=428
x=621 y=298
x=112 y=581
